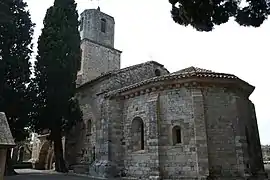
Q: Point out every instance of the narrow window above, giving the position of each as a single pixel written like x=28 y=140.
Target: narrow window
x=157 y=72
x=94 y=154
x=248 y=147
x=89 y=125
x=176 y=133
x=178 y=136
x=142 y=137
x=137 y=134
x=103 y=25
x=248 y=141
x=81 y=24
x=80 y=63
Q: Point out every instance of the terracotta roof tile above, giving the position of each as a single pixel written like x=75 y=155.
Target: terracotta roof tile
x=192 y=69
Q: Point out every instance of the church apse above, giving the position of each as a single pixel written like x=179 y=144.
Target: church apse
x=151 y=124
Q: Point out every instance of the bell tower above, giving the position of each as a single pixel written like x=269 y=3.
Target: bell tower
x=97 y=45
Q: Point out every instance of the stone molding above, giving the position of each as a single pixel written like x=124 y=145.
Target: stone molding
x=100 y=44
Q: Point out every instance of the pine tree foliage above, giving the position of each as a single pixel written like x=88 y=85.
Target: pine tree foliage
x=16 y=31
x=56 y=71
x=203 y=15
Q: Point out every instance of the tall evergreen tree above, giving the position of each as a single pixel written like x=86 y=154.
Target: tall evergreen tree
x=56 y=72
x=16 y=30
x=203 y=15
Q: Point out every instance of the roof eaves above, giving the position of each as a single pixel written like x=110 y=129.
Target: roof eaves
x=178 y=76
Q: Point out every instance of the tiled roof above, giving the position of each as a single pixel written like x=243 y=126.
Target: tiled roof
x=193 y=69
x=190 y=72
x=6 y=138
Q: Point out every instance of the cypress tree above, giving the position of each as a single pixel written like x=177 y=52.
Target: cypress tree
x=16 y=31
x=56 y=72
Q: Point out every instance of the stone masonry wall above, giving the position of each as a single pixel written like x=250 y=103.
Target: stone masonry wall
x=141 y=160
x=225 y=150
x=91 y=103
x=91 y=27
x=246 y=135
x=138 y=73
x=177 y=160
x=212 y=122
x=98 y=53
x=81 y=141
x=131 y=75
x=136 y=162
x=97 y=59
x=200 y=133
x=115 y=115
x=112 y=158
x=248 y=138
x=87 y=135
x=161 y=112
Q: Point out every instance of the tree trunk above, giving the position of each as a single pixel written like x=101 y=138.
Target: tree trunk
x=60 y=165
x=9 y=170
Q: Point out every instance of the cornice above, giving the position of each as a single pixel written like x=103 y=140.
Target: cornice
x=187 y=80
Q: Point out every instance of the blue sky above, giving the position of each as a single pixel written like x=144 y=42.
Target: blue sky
x=145 y=31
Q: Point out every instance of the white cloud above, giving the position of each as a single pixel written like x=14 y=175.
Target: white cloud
x=145 y=29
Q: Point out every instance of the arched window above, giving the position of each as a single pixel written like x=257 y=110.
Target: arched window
x=157 y=72
x=103 y=25
x=89 y=126
x=176 y=135
x=137 y=134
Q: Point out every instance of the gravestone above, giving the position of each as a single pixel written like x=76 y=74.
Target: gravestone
x=6 y=142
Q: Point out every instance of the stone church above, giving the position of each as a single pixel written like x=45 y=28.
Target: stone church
x=144 y=122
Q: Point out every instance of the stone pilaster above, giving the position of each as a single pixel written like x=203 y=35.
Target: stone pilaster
x=200 y=133
x=257 y=167
x=100 y=166
x=105 y=165
x=153 y=143
x=239 y=125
